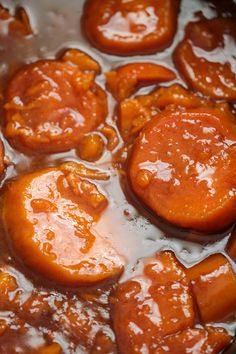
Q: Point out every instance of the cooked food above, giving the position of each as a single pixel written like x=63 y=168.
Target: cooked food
x=159 y=312
x=182 y=166
x=124 y=81
x=201 y=61
x=130 y=27
x=56 y=209
x=117 y=177
x=51 y=104
x=214 y=286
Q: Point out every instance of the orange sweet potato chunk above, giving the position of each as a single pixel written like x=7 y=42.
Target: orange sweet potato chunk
x=51 y=104
x=56 y=209
x=125 y=80
x=130 y=27
x=214 y=286
x=153 y=304
x=185 y=157
x=200 y=61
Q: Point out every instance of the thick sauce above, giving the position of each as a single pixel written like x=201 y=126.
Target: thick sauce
x=40 y=312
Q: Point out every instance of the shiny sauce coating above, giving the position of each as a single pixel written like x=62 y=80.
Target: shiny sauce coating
x=38 y=314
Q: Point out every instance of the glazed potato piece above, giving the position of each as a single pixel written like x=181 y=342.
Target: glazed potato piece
x=214 y=287
x=159 y=311
x=133 y=114
x=14 y=25
x=56 y=209
x=156 y=303
x=130 y=27
x=51 y=104
x=91 y=147
x=124 y=81
x=200 y=61
x=182 y=166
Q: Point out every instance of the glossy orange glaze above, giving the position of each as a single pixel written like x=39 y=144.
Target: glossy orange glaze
x=56 y=209
x=50 y=105
x=38 y=316
x=91 y=147
x=182 y=158
x=159 y=311
x=130 y=27
x=214 y=287
x=201 y=60
x=123 y=82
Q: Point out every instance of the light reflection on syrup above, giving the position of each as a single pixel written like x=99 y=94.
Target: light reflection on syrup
x=132 y=234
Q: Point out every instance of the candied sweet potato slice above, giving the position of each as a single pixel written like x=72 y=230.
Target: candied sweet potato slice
x=200 y=61
x=182 y=166
x=51 y=104
x=130 y=27
x=125 y=80
x=56 y=209
x=214 y=287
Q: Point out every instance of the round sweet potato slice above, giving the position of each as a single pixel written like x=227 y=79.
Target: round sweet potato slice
x=51 y=104
x=201 y=61
x=182 y=166
x=130 y=27
x=56 y=209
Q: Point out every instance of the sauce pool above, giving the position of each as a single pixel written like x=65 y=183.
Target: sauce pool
x=56 y=27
